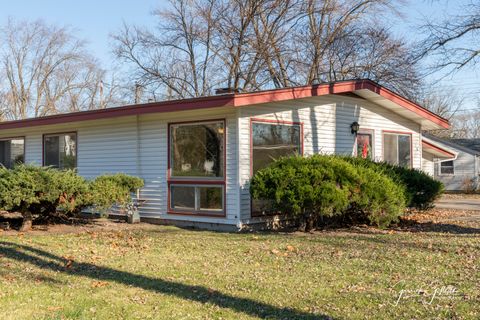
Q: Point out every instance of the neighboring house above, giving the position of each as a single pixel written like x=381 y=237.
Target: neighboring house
x=461 y=173
x=198 y=155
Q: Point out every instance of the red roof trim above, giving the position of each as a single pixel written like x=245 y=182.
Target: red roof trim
x=232 y=100
x=407 y=104
x=337 y=88
x=130 y=110
x=437 y=148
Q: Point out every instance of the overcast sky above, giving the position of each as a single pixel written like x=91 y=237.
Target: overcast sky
x=95 y=20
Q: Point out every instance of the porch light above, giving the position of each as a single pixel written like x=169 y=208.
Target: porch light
x=355 y=127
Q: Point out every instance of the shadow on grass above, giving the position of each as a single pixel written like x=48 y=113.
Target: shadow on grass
x=46 y=260
x=437 y=227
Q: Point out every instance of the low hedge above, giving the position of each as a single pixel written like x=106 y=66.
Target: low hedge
x=40 y=192
x=420 y=188
x=107 y=187
x=317 y=186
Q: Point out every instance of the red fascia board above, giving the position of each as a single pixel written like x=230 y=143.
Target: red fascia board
x=233 y=100
x=297 y=92
x=336 y=88
x=138 y=109
x=429 y=145
x=407 y=104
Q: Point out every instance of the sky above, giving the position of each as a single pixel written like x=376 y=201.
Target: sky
x=465 y=82
x=94 y=21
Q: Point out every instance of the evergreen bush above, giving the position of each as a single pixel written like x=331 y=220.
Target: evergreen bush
x=42 y=192
x=421 y=189
x=320 y=185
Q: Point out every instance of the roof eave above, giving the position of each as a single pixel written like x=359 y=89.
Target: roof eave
x=239 y=100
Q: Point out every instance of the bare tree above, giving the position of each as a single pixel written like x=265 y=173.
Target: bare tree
x=45 y=70
x=257 y=44
x=177 y=61
x=453 y=43
x=373 y=53
x=465 y=125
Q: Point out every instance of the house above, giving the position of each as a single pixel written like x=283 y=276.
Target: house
x=461 y=172
x=198 y=155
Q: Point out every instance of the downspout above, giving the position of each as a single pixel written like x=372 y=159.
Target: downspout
x=238 y=168
x=138 y=168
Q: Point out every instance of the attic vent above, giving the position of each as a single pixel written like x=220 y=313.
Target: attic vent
x=226 y=91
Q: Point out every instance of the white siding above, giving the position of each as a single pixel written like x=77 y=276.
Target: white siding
x=466 y=167
x=428 y=165
x=326 y=124
x=110 y=146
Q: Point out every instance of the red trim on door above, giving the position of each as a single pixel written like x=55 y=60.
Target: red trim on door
x=366 y=131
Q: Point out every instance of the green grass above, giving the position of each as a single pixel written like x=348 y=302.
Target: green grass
x=165 y=272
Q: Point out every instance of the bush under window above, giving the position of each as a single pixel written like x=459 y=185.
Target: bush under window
x=43 y=192
x=311 y=188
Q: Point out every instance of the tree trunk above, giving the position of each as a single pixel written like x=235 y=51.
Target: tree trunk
x=307 y=223
x=27 y=222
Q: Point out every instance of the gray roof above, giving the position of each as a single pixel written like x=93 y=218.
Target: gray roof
x=473 y=144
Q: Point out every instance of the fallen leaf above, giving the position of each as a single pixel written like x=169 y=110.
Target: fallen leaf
x=69 y=264
x=99 y=284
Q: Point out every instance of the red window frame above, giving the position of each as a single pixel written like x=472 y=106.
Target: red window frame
x=405 y=133
x=365 y=131
x=194 y=181
x=260 y=120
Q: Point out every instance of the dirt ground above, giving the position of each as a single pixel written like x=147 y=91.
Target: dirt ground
x=461 y=196
x=92 y=225
x=436 y=220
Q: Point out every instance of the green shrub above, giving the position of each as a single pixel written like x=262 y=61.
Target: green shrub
x=421 y=189
x=318 y=186
x=39 y=190
x=380 y=201
x=106 y=190
x=43 y=191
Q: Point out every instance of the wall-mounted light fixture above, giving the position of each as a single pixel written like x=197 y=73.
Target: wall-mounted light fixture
x=354 y=127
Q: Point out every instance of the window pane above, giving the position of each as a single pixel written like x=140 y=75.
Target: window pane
x=211 y=198
x=52 y=145
x=60 y=151
x=17 y=151
x=447 y=167
x=197 y=150
x=272 y=141
x=68 y=151
x=404 y=151
x=364 y=145
x=11 y=152
x=5 y=153
x=390 y=148
x=182 y=197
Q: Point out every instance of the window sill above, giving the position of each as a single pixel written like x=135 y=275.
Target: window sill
x=197 y=214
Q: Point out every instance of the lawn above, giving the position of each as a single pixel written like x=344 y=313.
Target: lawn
x=158 y=272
